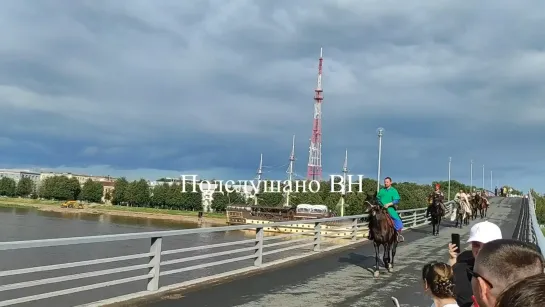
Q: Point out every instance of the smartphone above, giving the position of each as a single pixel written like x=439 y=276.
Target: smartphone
x=455 y=239
x=396 y=302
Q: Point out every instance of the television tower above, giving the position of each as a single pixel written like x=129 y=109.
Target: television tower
x=315 y=150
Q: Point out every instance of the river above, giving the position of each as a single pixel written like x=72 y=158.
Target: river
x=18 y=224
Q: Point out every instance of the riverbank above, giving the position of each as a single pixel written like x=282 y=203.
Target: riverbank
x=214 y=219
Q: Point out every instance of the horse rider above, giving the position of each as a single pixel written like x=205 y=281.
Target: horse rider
x=388 y=198
x=436 y=197
x=463 y=201
x=485 y=198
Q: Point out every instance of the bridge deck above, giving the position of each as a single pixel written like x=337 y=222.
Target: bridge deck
x=341 y=278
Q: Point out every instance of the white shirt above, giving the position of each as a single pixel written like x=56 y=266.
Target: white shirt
x=447 y=305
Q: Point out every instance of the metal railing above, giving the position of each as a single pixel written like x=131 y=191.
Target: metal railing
x=539 y=239
x=261 y=248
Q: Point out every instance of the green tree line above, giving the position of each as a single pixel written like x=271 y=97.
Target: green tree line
x=56 y=188
x=412 y=195
x=139 y=194
x=24 y=188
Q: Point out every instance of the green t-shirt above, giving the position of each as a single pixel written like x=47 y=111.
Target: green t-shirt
x=386 y=196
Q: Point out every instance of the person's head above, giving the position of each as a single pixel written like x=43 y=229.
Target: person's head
x=387 y=182
x=501 y=263
x=482 y=233
x=438 y=280
x=529 y=292
x=461 y=191
x=437 y=186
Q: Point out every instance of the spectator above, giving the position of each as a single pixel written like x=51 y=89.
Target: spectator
x=479 y=234
x=439 y=284
x=529 y=292
x=501 y=263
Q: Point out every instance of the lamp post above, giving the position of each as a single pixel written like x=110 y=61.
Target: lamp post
x=380 y=132
x=471 y=177
x=449 y=163
x=491 y=185
x=483 y=176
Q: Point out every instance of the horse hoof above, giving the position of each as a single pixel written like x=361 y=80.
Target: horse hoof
x=376 y=274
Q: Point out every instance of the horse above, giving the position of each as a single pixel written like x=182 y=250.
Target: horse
x=475 y=201
x=483 y=207
x=383 y=234
x=462 y=217
x=436 y=215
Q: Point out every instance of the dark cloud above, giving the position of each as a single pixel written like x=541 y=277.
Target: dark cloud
x=206 y=86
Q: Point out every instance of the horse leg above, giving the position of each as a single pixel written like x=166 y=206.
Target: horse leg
x=438 y=223
x=394 y=248
x=377 y=249
x=386 y=256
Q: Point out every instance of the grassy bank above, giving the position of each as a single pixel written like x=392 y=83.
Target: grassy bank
x=152 y=213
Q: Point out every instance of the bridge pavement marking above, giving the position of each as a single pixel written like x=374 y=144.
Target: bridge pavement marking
x=353 y=285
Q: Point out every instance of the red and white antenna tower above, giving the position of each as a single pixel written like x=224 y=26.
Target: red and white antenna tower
x=315 y=150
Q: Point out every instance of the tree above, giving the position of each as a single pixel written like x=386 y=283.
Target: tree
x=191 y=201
x=139 y=193
x=160 y=195
x=8 y=187
x=92 y=191
x=220 y=201
x=108 y=196
x=175 y=197
x=270 y=199
x=25 y=187
x=120 y=195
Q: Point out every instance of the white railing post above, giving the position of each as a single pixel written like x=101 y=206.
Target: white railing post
x=258 y=253
x=414 y=218
x=317 y=236
x=354 y=229
x=155 y=263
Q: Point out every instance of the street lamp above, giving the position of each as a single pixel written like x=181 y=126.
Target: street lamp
x=471 y=177
x=449 y=163
x=380 y=132
x=483 y=177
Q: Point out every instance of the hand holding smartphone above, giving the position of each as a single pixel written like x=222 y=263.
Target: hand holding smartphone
x=455 y=239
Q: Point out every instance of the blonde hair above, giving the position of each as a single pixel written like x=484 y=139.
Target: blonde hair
x=439 y=278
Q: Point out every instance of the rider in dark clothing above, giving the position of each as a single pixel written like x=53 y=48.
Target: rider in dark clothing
x=436 y=197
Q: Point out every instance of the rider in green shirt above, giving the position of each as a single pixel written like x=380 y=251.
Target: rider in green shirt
x=388 y=197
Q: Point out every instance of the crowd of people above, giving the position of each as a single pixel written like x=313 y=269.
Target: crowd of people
x=496 y=272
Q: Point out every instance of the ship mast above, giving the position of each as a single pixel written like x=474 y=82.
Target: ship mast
x=259 y=173
x=344 y=190
x=290 y=170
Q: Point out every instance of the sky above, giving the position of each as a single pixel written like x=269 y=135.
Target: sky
x=161 y=88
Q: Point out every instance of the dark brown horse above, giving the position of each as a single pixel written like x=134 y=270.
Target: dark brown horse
x=383 y=234
x=475 y=203
x=483 y=207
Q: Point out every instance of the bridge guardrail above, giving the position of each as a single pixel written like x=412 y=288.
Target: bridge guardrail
x=537 y=233
x=310 y=237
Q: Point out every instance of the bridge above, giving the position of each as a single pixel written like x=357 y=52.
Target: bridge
x=323 y=262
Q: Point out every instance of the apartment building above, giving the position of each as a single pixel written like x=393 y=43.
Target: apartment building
x=17 y=174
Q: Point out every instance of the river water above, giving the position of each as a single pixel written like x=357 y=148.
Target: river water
x=18 y=224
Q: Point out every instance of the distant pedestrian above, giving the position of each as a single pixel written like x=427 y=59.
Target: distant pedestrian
x=496 y=191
